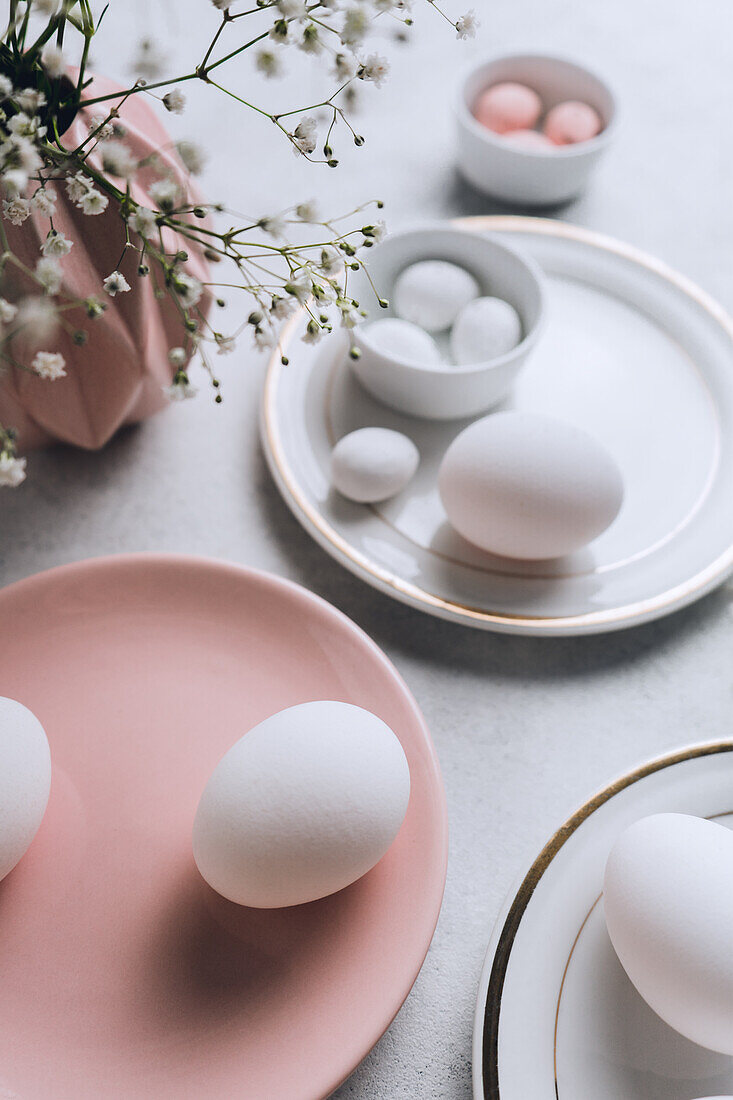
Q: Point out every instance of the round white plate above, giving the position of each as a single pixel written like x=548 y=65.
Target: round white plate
x=557 y=1018
x=633 y=352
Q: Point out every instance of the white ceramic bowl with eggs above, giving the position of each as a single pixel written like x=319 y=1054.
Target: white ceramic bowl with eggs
x=528 y=177
x=444 y=392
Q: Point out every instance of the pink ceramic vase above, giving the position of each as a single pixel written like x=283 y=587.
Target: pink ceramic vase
x=118 y=376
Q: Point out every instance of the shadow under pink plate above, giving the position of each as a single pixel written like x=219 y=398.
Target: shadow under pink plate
x=124 y=974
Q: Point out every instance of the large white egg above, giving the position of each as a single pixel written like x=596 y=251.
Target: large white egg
x=301 y=806
x=403 y=340
x=373 y=464
x=25 y=780
x=432 y=293
x=485 y=329
x=668 y=901
x=524 y=485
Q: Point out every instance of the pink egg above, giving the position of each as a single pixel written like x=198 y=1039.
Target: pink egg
x=531 y=140
x=506 y=107
x=571 y=122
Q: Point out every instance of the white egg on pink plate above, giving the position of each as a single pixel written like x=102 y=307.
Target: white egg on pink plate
x=25 y=781
x=528 y=486
x=668 y=904
x=301 y=806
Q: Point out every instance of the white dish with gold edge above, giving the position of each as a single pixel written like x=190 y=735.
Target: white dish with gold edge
x=556 y=1016
x=632 y=352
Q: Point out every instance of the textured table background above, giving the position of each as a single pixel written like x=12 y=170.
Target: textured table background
x=525 y=729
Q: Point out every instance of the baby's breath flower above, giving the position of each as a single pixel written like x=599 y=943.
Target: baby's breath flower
x=116 y=283
x=300 y=290
x=56 y=244
x=175 y=101
x=6 y=87
x=291 y=9
x=344 y=67
x=14 y=181
x=376 y=232
x=54 y=61
x=307 y=211
x=101 y=128
x=38 y=314
x=279 y=31
x=264 y=338
x=16 y=210
x=177 y=357
x=48 y=274
x=305 y=135
x=282 y=308
x=467 y=25
x=118 y=160
x=222 y=5
x=268 y=63
x=29 y=99
x=93 y=202
x=76 y=186
x=50 y=365
x=7 y=311
x=310 y=41
x=331 y=261
x=142 y=221
x=19 y=151
x=355 y=27
x=374 y=69
x=192 y=155
x=180 y=388
x=44 y=201
x=313 y=332
x=166 y=194
x=187 y=287
x=12 y=470
x=273 y=224
x=225 y=344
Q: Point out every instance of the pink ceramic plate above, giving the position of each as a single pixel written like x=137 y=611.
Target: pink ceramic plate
x=123 y=974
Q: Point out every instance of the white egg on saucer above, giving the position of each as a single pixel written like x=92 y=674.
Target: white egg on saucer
x=301 y=806
x=528 y=486
x=668 y=903
x=431 y=293
x=373 y=464
x=486 y=328
x=25 y=780
x=403 y=340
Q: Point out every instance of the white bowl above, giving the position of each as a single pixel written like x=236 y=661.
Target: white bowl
x=527 y=176
x=446 y=392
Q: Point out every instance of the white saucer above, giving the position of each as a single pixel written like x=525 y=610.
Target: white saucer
x=633 y=352
x=557 y=1018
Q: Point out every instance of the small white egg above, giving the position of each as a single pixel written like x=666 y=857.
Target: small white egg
x=524 y=485
x=25 y=780
x=373 y=464
x=485 y=329
x=301 y=806
x=432 y=293
x=403 y=340
x=668 y=902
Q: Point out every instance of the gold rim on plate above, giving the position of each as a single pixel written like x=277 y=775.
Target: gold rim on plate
x=505 y=941
x=410 y=593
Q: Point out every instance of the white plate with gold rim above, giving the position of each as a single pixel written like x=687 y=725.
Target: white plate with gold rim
x=556 y=1017
x=633 y=352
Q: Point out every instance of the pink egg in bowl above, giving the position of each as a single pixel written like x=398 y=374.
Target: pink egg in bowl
x=522 y=165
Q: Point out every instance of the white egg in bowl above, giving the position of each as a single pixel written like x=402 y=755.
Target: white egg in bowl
x=444 y=390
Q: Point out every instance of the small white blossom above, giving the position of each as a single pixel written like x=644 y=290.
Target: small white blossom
x=355 y=27
x=279 y=32
x=222 y=5
x=180 y=388
x=29 y=100
x=8 y=311
x=300 y=290
x=6 y=87
x=175 y=101
x=344 y=67
x=467 y=25
x=48 y=274
x=101 y=127
x=192 y=155
x=54 y=61
x=93 y=202
x=307 y=211
x=56 y=245
x=226 y=344
x=314 y=332
x=14 y=181
x=18 y=151
x=177 y=357
x=39 y=315
x=12 y=470
x=44 y=201
x=142 y=221
x=375 y=69
x=331 y=261
x=305 y=135
x=116 y=283
x=118 y=160
x=264 y=338
x=16 y=210
x=377 y=232
x=188 y=288
x=282 y=308
x=292 y=9
x=310 y=41
x=24 y=126
x=273 y=224
x=50 y=365
x=77 y=186
x=268 y=63
x=166 y=194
